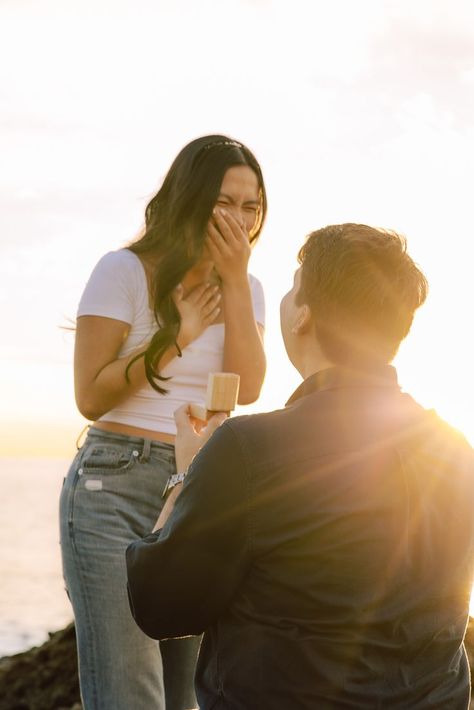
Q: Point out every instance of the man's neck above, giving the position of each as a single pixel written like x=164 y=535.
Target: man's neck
x=313 y=361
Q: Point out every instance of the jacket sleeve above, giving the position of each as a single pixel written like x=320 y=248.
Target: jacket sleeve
x=181 y=578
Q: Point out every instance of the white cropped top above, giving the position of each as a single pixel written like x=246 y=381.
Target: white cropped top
x=117 y=288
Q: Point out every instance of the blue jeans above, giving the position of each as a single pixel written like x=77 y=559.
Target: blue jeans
x=110 y=497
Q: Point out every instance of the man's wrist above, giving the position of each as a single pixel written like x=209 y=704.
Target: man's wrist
x=167 y=507
x=174 y=480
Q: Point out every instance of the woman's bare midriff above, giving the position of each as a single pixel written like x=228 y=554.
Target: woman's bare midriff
x=117 y=428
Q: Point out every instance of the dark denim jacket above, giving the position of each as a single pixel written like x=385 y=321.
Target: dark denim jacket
x=325 y=549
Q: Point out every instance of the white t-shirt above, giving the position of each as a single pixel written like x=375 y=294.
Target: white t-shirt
x=117 y=288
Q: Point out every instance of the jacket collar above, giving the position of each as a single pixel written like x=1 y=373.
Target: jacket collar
x=339 y=377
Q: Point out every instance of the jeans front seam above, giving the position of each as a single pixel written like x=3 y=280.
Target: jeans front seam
x=72 y=495
x=90 y=634
x=91 y=652
x=82 y=587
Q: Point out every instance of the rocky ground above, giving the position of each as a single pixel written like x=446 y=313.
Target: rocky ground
x=45 y=678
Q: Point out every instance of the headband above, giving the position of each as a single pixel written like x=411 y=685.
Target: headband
x=234 y=143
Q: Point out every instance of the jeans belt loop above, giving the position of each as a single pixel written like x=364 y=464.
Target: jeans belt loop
x=145 y=451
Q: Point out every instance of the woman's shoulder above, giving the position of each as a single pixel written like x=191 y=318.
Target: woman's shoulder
x=121 y=258
x=254 y=281
x=117 y=278
x=258 y=298
x=256 y=287
x=119 y=265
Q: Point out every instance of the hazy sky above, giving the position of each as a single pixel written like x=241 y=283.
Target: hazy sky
x=358 y=111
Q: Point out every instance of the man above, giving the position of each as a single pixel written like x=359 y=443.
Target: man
x=324 y=549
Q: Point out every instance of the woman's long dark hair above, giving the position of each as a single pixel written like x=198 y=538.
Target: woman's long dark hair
x=176 y=221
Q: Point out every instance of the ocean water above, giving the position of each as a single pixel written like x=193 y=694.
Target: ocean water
x=32 y=597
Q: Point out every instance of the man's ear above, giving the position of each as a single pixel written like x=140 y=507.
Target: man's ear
x=302 y=321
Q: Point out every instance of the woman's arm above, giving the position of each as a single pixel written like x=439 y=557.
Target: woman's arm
x=243 y=345
x=99 y=373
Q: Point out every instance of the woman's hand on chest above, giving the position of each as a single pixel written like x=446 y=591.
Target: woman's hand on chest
x=199 y=308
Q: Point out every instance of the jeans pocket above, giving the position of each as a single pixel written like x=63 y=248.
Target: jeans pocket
x=107 y=459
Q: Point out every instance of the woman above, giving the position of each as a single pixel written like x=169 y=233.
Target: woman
x=153 y=321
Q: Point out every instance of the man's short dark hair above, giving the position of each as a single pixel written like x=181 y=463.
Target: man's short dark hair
x=363 y=290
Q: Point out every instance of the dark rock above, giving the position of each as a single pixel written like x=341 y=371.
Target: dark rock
x=45 y=677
